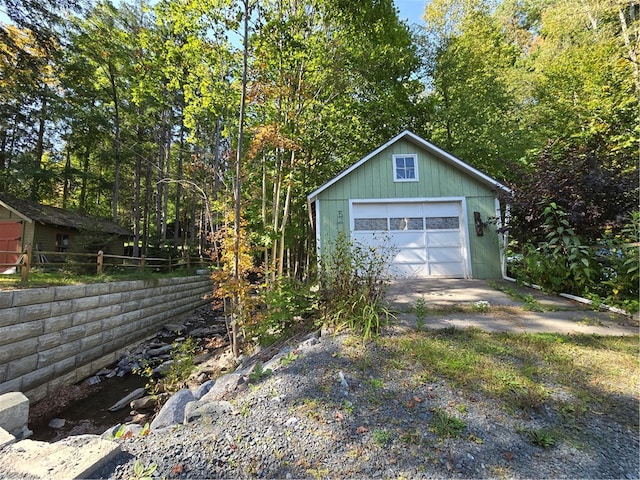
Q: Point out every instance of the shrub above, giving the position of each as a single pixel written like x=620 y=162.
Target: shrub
x=286 y=304
x=353 y=278
x=606 y=273
x=561 y=263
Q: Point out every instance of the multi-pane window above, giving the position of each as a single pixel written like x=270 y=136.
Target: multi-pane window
x=373 y=224
x=442 y=223
x=406 y=223
x=405 y=168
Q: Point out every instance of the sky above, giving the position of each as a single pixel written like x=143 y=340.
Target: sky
x=411 y=10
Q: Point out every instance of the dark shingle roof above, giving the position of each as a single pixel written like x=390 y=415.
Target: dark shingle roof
x=58 y=216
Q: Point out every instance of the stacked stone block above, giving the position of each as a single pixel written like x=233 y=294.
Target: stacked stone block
x=57 y=336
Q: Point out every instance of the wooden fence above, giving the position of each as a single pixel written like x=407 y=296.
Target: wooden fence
x=98 y=262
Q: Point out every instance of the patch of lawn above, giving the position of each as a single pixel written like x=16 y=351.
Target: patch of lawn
x=573 y=374
x=39 y=279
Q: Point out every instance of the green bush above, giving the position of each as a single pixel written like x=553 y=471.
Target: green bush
x=287 y=303
x=353 y=278
x=619 y=258
x=606 y=272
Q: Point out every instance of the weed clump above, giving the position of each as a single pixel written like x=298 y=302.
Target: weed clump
x=353 y=278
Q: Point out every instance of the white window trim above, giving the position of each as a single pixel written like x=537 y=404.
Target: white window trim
x=415 y=162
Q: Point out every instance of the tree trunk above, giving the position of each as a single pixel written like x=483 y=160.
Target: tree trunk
x=116 y=143
x=39 y=151
x=178 y=196
x=238 y=187
x=285 y=214
x=85 y=176
x=137 y=181
x=631 y=43
x=67 y=176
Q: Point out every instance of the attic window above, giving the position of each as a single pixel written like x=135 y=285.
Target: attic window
x=405 y=168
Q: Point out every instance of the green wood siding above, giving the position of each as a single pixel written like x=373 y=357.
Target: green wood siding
x=437 y=178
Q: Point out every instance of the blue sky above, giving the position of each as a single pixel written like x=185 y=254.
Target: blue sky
x=411 y=10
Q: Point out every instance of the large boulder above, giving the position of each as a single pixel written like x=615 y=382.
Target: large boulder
x=223 y=386
x=172 y=412
x=14 y=414
x=211 y=410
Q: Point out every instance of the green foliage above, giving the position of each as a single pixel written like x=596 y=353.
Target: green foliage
x=542 y=438
x=121 y=432
x=140 y=472
x=288 y=358
x=560 y=264
x=481 y=306
x=607 y=273
x=444 y=425
x=420 y=309
x=619 y=258
x=258 y=373
x=182 y=366
x=352 y=282
x=287 y=303
x=180 y=369
x=382 y=437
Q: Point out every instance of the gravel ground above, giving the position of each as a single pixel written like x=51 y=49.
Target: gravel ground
x=305 y=421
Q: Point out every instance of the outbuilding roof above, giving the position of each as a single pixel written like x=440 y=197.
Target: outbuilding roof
x=31 y=211
x=428 y=146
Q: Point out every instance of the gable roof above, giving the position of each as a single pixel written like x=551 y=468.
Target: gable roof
x=428 y=146
x=34 y=212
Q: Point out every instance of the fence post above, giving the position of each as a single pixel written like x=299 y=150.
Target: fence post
x=99 y=262
x=142 y=262
x=169 y=263
x=26 y=263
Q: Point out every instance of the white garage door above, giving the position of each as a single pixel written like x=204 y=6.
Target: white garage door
x=426 y=239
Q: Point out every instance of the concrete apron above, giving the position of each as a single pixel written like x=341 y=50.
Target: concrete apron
x=505 y=314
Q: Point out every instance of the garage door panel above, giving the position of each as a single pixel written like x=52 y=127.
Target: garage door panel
x=444 y=239
x=410 y=239
x=408 y=270
x=444 y=255
x=411 y=256
x=371 y=210
x=366 y=239
x=405 y=210
x=455 y=270
x=450 y=209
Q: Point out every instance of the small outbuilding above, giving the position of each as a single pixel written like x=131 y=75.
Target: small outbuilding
x=434 y=214
x=51 y=229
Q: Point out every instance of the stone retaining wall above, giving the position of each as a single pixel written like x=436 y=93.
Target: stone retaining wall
x=57 y=336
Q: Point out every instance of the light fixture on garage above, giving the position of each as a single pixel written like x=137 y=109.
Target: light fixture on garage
x=479 y=225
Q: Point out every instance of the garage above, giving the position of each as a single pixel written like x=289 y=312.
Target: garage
x=423 y=238
x=433 y=214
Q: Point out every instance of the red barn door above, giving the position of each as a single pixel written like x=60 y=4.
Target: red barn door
x=9 y=243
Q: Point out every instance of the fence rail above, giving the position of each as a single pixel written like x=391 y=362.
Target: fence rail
x=96 y=261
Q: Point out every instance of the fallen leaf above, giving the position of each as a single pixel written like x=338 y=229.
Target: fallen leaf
x=339 y=416
x=128 y=434
x=417 y=399
x=508 y=456
x=177 y=469
x=411 y=404
x=360 y=430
